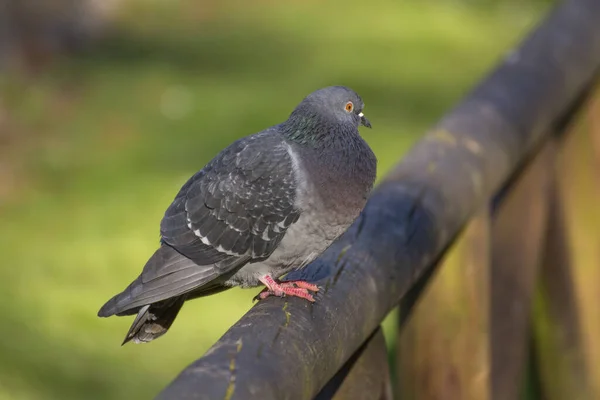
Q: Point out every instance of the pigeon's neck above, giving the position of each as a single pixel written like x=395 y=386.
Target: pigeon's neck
x=335 y=151
x=304 y=129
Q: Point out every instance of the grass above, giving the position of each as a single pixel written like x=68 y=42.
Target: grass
x=99 y=145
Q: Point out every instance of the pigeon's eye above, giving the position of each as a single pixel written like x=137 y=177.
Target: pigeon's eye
x=349 y=106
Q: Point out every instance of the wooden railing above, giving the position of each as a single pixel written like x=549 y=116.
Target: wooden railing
x=486 y=183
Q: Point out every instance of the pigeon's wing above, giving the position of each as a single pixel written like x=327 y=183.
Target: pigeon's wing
x=234 y=211
x=240 y=204
x=237 y=208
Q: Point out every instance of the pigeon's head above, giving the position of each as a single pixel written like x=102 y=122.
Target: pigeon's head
x=337 y=104
x=327 y=108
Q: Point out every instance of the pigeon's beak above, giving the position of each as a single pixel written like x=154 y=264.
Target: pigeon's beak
x=364 y=121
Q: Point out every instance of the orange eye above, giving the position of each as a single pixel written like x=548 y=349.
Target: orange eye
x=349 y=106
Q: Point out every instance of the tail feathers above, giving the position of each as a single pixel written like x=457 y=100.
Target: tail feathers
x=153 y=320
x=167 y=274
x=117 y=305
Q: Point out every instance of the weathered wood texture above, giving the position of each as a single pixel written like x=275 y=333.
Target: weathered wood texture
x=289 y=349
x=567 y=328
x=365 y=376
x=446 y=349
x=518 y=231
x=443 y=349
x=558 y=338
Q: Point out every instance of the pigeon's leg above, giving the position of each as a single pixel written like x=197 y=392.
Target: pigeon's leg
x=292 y=288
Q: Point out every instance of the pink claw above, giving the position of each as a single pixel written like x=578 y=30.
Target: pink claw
x=291 y=288
x=300 y=284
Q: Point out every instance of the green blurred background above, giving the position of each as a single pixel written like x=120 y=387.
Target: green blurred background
x=98 y=132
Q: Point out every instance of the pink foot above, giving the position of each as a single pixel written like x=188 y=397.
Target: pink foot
x=291 y=288
x=300 y=284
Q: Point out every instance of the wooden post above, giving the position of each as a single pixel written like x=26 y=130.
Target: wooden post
x=443 y=349
x=567 y=297
x=365 y=375
x=557 y=326
x=590 y=311
x=517 y=236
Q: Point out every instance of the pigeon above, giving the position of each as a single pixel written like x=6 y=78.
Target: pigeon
x=268 y=204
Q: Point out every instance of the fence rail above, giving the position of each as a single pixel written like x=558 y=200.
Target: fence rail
x=498 y=147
